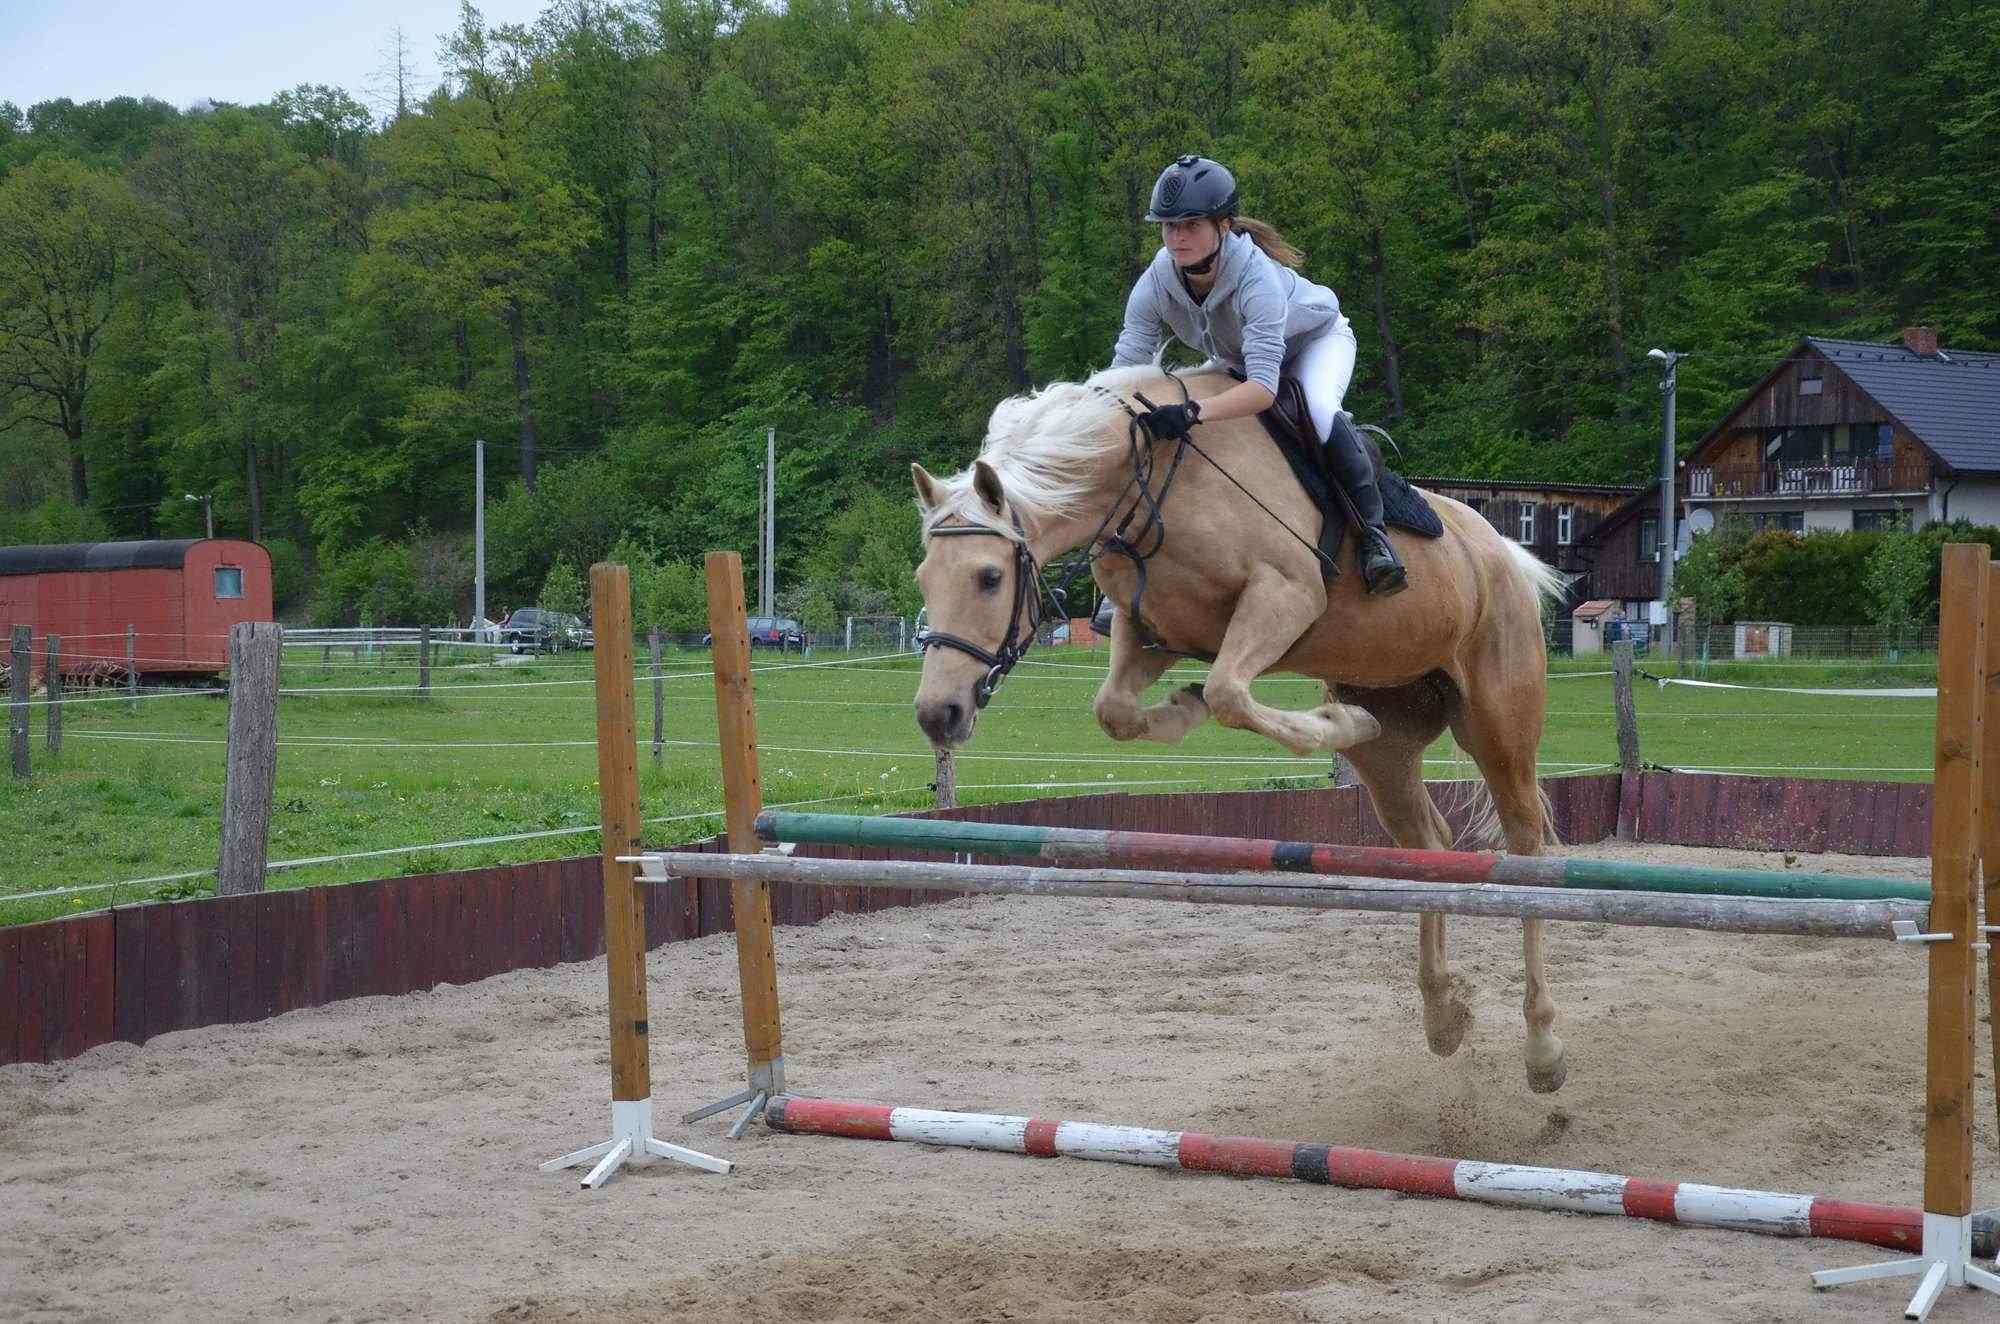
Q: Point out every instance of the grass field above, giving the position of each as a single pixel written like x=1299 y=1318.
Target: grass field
x=505 y=750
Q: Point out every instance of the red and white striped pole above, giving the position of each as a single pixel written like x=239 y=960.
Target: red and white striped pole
x=1555 y=1189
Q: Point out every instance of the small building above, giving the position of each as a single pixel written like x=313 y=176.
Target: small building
x=180 y=596
x=1849 y=434
x=1549 y=519
x=1618 y=561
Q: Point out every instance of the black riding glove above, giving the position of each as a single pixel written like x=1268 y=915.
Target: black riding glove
x=1172 y=422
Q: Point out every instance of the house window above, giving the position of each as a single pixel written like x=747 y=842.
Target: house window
x=1881 y=521
x=1885 y=442
x=228 y=581
x=1796 y=446
x=1565 y=523
x=1527 y=534
x=1791 y=521
x=1813 y=384
x=1649 y=540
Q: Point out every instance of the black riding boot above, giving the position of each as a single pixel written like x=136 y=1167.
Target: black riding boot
x=1348 y=460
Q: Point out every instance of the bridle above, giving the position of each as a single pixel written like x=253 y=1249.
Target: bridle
x=1137 y=537
x=1029 y=598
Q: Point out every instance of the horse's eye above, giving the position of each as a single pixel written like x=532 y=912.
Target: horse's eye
x=989 y=579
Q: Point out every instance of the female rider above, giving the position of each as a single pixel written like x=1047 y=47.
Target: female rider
x=1223 y=284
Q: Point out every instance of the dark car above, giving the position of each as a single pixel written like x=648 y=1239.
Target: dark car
x=779 y=632
x=533 y=630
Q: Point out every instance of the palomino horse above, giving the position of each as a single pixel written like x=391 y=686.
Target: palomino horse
x=1462 y=647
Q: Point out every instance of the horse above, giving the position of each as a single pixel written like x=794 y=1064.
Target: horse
x=1460 y=648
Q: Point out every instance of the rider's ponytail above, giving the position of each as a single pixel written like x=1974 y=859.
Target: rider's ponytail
x=1266 y=237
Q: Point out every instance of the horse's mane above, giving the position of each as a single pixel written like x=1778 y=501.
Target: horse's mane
x=1044 y=446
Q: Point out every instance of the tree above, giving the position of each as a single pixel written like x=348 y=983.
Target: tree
x=562 y=590
x=1711 y=575
x=231 y=193
x=68 y=240
x=1336 y=100
x=1897 y=579
x=490 y=217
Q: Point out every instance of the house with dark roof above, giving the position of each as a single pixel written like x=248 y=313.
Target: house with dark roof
x=1849 y=434
x=1549 y=519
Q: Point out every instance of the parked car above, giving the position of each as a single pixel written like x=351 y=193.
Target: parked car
x=779 y=632
x=533 y=630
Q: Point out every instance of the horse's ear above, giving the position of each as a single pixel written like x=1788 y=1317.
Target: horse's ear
x=986 y=482
x=927 y=488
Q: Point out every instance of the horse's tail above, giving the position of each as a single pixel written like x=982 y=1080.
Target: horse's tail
x=1543 y=584
x=1539 y=580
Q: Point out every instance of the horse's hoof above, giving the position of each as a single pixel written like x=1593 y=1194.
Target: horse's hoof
x=1446 y=1032
x=1548 y=1079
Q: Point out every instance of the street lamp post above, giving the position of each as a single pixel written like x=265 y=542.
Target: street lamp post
x=1669 y=361
x=207 y=510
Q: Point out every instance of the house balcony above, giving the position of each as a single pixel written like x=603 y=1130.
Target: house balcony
x=1740 y=482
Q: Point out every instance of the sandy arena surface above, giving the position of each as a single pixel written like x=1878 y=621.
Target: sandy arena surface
x=375 y=1160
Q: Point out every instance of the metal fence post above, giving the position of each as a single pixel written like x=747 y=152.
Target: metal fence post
x=659 y=698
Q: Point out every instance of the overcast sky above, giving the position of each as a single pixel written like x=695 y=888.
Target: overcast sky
x=224 y=50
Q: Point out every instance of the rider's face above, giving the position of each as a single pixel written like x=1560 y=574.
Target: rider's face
x=1189 y=242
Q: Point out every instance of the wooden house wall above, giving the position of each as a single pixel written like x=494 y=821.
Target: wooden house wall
x=1613 y=567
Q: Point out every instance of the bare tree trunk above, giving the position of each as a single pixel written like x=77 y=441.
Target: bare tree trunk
x=517 y=332
x=461 y=340
x=1607 y=198
x=253 y=487
x=1392 y=368
x=79 y=485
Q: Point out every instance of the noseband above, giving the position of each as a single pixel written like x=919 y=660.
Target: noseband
x=1028 y=602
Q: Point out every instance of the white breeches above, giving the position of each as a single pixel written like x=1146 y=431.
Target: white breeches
x=1323 y=366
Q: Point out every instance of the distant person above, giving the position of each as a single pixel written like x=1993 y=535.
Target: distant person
x=1223 y=285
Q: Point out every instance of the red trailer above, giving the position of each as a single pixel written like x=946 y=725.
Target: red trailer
x=181 y=595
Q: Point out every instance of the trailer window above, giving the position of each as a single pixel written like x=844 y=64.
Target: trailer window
x=228 y=581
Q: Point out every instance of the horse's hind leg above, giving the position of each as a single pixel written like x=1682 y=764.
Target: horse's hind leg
x=1392 y=767
x=1500 y=726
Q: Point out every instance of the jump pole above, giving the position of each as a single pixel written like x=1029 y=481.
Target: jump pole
x=1714 y=914
x=742 y=800
x=1098 y=848
x=1554 y=1189
x=632 y=1140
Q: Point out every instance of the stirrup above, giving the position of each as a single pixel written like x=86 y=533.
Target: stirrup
x=1382 y=572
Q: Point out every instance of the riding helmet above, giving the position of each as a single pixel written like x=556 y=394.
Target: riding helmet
x=1191 y=187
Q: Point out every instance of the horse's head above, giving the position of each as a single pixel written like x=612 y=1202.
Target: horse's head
x=981 y=597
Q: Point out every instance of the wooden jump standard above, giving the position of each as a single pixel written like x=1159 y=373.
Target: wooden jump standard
x=1965 y=826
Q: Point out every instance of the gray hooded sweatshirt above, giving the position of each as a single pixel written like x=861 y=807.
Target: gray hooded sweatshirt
x=1255 y=317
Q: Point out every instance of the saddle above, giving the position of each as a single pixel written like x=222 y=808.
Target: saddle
x=1289 y=421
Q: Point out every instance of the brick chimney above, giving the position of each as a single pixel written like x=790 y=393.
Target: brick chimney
x=1920 y=340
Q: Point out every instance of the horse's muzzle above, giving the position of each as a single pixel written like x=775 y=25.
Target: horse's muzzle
x=947 y=723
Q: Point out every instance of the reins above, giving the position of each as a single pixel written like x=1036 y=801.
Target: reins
x=1136 y=544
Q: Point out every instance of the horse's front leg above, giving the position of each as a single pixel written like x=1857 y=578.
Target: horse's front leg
x=1119 y=710
x=1271 y=614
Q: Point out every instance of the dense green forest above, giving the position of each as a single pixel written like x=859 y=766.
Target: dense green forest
x=621 y=243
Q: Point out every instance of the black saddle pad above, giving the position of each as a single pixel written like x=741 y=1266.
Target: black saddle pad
x=1289 y=423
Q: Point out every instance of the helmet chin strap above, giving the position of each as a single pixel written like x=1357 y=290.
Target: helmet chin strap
x=1207 y=264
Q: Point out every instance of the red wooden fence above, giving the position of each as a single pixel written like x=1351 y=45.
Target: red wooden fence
x=135 y=971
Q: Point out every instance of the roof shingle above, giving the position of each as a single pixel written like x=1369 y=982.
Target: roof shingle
x=1951 y=402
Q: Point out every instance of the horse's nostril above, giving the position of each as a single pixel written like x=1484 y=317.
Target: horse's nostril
x=953 y=713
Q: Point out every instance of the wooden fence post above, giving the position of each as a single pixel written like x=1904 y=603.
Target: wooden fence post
x=659 y=698
x=326 y=660
x=19 y=658
x=52 y=687
x=1628 y=740
x=132 y=668
x=424 y=662
x=253 y=756
x=947 y=780
x=743 y=797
